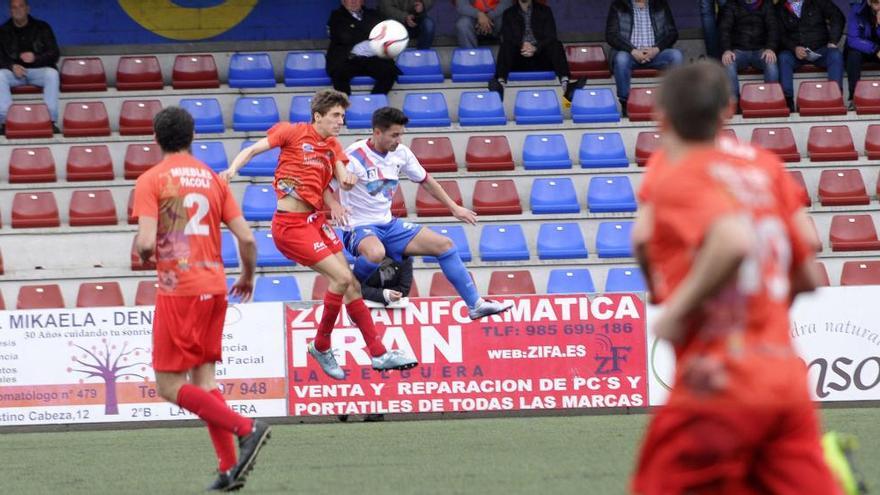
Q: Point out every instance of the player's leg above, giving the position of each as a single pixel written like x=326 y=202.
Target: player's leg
x=339 y=279
x=370 y=253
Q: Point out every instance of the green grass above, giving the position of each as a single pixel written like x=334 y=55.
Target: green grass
x=539 y=455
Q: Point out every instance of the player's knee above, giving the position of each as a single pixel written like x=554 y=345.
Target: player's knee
x=444 y=245
x=168 y=391
x=374 y=254
x=341 y=282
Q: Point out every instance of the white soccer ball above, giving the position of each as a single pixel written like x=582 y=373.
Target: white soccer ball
x=388 y=39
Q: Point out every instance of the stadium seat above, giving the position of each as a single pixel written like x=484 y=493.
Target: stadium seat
x=867 y=97
x=86 y=119
x=545 y=151
x=254 y=113
x=488 y=153
x=83 y=74
x=46 y=296
x=860 y=273
x=26 y=89
x=646 y=143
x=300 y=109
x=259 y=202
x=762 y=100
x=798 y=177
x=824 y=281
x=139 y=158
x=496 y=197
x=459 y=238
x=362 y=81
x=398 y=204
x=820 y=98
x=419 y=67
x=561 y=241
x=87 y=163
x=570 y=281
x=136 y=263
x=434 y=153
x=212 y=153
x=426 y=110
x=481 y=108
x=262 y=165
x=1 y=273
x=99 y=294
x=306 y=69
x=610 y=194
x=831 y=143
x=472 y=65
x=228 y=250
x=625 y=280
x=251 y=70
x=838 y=187
x=853 y=233
x=613 y=240
x=640 y=105
x=602 y=150
x=28 y=121
x=139 y=73
x=554 y=195
x=146 y=293
x=206 y=112
x=594 y=105
x=441 y=287
x=92 y=207
x=194 y=72
x=136 y=117
x=360 y=114
x=280 y=288
x=267 y=253
x=510 y=282
x=872 y=142
x=2 y=303
x=132 y=220
x=779 y=140
x=503 y=242
x=537 y=106
x=587 y=61
x=31 y=165
x=34 y=209
x=428 y=206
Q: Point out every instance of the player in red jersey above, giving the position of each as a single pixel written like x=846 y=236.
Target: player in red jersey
x=311 y=157
x=180 y=203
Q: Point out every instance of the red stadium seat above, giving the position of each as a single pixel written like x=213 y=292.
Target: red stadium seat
x=146 y=293
x=853 y=233
x=89 y=163
x=136 y=117
x=435 y=154
x=99 y=294
x=779 y=140
x=441 y=287
x=587 y=61
x=28 y=120
x=640 y=106
x=872 y=142
x=139 y=73
x=831 y=143
x=646 y=143
x=762 y=100
x=488 y=153
x=413 y=289
x=840 y=186
x=867 y=97
x=2 y=302
x=31 y=165
x=93 y=207
x=820 y=98
x=645 y=73
x=132 y=220
x=39 y=297
x=26 y=89
x=428 y=206
x=319 y=288
x=823 y=274
x=398 y=205
x=511 y=282
x=496 y=197
x=816 y=240
x=1 y=268
x=34 y=209
x=83 y=74
x=136 y=263
x=86 y=118
x=139 y=158
x=798 y=177
x=194 y=72
x=860 y=273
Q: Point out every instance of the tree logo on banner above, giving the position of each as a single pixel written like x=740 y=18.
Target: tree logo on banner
x=110 y=364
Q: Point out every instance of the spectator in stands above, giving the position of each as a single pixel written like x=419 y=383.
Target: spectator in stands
x=749 y=35
x=350 y=55
x=414 y=15
x=709 y=13
x=29 y=55
x=641 y=34
x=810 y=31
x=479 y=19
x=390 y=282
x=862 y=41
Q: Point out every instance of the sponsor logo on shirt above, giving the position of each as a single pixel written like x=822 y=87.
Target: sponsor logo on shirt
x=308 y=148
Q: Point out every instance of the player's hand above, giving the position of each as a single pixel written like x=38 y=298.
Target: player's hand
x=27 y=57
x=704 y=375
x=227 y=175
x=243 y=288
x=800 y=52
x=669 y=326
x=768 y=56
x=19 y=71
x=339 y=215
x=349 y=180
x=410 y=21
x=464 y=215
x=728 y=57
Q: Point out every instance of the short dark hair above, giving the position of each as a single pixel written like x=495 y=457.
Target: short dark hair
x=694 y=97
x=174 y=128
x=386 y=117
x=326 y=99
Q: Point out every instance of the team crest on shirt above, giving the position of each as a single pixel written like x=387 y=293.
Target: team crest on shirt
x=330 y=233
x=308 y=148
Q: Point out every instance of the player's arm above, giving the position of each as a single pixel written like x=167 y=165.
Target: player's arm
x=245 y=156
x=145 y=244
x=406 y=277
x=459 y=212
x=338 y=213
x=247 y=249
x=346 y=179
x=805 y=276
x=641 y=234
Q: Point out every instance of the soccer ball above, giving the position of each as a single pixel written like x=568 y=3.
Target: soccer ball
x=388 y=39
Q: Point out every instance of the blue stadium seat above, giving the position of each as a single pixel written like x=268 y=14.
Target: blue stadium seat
x=537 y=106
x=426 y=110
x=602 y=150
x=610 y=193
x=627 y=279
x=258 y=202
x=262 y=165
x=362 y=81
x=570 y=281
x=543 y=151
x=251 y=70
x=613 y=240
x=360 y=114
x=229 y=297
x=206 y=112
x=561 y=241
x=481 y=108
x=472 y=65
x=228 y=251
x=212 y=153
x=594 y=105
x=503 y=243
x=459 y=238
x=267 y=253
x=537 y=75
x=554 y=195
x=300 y=109
x=254 y=113
x=419 y=66
x=279 y=288
x=306 y=69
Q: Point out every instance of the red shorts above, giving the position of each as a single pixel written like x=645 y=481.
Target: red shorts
x=187 y=331
x=306 y=238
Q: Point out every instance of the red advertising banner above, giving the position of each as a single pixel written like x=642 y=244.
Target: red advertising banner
x=547 y=352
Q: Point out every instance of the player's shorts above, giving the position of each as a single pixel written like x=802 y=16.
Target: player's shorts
x=305 y=238
x=394 y=235
x=187 y=331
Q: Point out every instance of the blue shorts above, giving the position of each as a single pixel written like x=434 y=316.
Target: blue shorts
x=394 y=235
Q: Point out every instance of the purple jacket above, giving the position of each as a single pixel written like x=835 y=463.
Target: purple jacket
x=861 y=35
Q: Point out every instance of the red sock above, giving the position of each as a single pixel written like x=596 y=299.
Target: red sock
x=332 y=305
x=203 y=405
x=224 y=442
x=360 y=314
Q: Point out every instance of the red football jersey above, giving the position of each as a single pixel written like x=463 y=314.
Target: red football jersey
x=307 y=157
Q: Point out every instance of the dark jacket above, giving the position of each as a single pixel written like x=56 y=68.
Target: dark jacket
x=36 y=36
x=513 y=27
x=399 y=9
x=619 y=25
x=390 y=275
x=821 y=22
x=861 y=33
x=345 y=31
x=740 y=28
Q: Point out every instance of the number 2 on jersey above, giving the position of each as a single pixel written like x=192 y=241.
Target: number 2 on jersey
x=195 y=226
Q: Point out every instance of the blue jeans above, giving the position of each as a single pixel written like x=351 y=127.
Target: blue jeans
x=44 y=77
x=624 y=63
x=750 y=58
x=709 y=18
x=423 y=32
x=831 y=59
